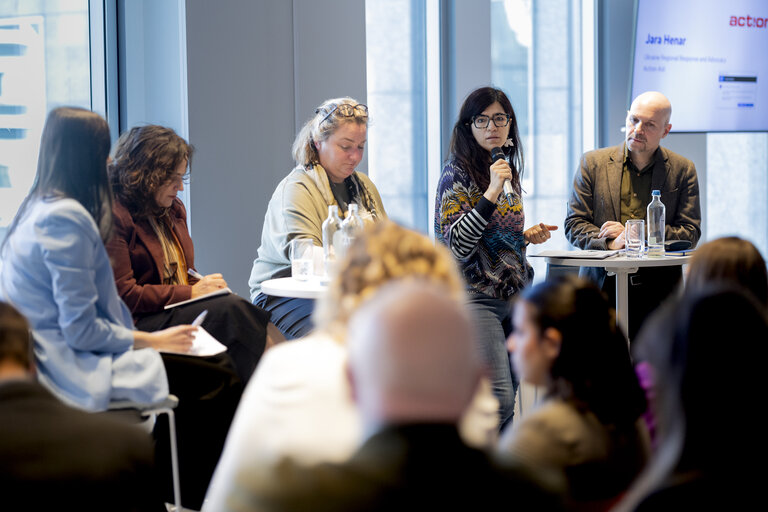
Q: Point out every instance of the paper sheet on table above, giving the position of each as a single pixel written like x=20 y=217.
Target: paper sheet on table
x=587 y=254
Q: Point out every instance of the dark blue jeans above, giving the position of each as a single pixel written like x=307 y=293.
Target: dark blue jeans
x=493 y=323
x=292 y=316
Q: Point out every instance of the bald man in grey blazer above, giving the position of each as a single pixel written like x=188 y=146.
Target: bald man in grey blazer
x=614 y=185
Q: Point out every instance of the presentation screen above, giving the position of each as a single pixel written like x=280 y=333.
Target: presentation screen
x=709 y=57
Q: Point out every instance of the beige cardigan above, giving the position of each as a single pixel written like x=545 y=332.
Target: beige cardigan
x=298 y=207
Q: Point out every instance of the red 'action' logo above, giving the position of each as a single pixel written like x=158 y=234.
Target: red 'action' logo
x=748 y=21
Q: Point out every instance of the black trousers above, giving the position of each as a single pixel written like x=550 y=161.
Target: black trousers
x=208 y=390
x=234 y=321
x=649 y=287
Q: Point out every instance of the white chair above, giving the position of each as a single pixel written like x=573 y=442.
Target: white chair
x=152 y=410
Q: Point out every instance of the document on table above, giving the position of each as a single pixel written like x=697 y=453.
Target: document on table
x=586 y=254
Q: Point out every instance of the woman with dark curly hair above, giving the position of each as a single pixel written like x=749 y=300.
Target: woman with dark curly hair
x=152 y=253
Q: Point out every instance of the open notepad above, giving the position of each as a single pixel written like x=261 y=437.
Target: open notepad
x=204 y=345
x=222 y=291
x=585 y=254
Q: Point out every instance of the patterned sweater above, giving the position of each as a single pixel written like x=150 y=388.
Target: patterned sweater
x=486 y=238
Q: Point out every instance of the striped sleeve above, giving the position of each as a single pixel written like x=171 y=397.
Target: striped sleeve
x=468 y=229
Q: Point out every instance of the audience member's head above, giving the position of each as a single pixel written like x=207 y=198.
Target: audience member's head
x=411 y=356
x=729 y=260
x=147 y=168
x=15 y=344
x=707 y=351
x=565 y=339
x=385 y=252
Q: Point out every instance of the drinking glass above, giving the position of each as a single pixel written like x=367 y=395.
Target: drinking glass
x=634 y=238
x=302 y=258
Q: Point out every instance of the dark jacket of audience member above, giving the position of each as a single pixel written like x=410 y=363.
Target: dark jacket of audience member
x=53 y=457
x=413 y=370
x=708 y=353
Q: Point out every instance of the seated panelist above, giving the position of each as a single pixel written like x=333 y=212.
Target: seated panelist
x=152 y=253
x=327 y=150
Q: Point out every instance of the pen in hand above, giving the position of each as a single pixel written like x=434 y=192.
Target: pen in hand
x=194 y=273
x=197 y=322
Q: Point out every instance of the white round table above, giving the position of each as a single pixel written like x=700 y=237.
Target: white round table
x=621 y=266
x=312 y=288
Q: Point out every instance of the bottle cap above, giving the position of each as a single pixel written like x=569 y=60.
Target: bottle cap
x=656 y=193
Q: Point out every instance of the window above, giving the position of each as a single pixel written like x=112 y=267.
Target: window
x=44 y=63
x=396 y=64
x=736 y=187
x=536 y=59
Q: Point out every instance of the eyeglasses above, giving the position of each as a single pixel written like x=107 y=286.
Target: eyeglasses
x=345 y=110
x=481 y=121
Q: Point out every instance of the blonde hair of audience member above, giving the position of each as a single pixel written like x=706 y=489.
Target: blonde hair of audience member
x=730 y=260
x=385 y=252
x=321 y=126
x=411 y=356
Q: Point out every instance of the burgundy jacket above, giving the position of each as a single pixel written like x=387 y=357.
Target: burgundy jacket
x=137 y=258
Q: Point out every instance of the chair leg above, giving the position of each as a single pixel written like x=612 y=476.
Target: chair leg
x=174 y=455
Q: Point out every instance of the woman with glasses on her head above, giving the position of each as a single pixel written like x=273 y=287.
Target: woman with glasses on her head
x=484 y=228
x=327 y=150
x=152 y=253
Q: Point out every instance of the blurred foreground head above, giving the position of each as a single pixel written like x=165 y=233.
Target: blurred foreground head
x=707 y=351
x=729 y=260
x=384 y=253
x=411 y=356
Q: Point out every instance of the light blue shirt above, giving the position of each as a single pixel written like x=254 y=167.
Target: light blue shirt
x=56 y=272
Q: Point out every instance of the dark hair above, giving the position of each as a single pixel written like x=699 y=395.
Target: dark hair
x=729 y=260
x=144 y=159
x=72 y=163
x=467 y=153
x=14 y=336
x=706 y=349
x=593 y=369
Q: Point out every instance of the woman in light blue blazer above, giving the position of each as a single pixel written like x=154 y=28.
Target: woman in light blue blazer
x=55 y=270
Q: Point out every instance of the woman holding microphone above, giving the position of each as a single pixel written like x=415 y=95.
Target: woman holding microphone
x=483 y=225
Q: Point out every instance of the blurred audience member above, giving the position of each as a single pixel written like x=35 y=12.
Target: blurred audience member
x=588 y=427
x=707 y=351
x=413 y=369
x=729 y=260
x=299 y=403
x=53 y=457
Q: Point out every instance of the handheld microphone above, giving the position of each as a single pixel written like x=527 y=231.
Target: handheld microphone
x=498 y=154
